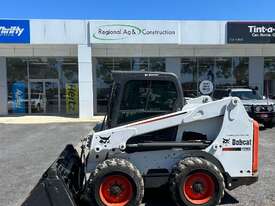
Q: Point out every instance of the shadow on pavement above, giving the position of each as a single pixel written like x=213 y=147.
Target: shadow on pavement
x=161 y=197
x=228 y=199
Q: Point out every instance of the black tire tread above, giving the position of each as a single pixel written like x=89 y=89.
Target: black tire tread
x=132 y=171
x=195 y=163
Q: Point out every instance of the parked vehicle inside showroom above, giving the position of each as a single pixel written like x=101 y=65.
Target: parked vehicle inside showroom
x=258 y=107
x=37 y=101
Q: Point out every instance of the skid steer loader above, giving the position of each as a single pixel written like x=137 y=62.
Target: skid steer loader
x=152 y=138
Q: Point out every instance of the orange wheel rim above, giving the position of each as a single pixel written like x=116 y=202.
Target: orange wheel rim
x=116 y=190
x=199 y=188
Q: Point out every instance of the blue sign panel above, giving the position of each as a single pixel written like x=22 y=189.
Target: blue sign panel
x=15 y=31
x=18 y=97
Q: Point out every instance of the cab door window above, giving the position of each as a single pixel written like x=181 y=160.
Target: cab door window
x=162 y=96
x=144 y=99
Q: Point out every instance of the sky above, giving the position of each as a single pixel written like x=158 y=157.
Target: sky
x=139 y=9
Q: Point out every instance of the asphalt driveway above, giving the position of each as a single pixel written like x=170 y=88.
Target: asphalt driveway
x=26 y=151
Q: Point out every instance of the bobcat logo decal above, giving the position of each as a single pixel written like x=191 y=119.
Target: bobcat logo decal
x=226 y=141
x=104 y=140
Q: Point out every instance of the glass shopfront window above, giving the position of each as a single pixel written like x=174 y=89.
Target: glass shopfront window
x=157 y=64
x=240 y=71
x=43 y=85
x=221 y=71
x=269 y=77
x=140 y=64
x=104 y=67
x=122 y=64
x=224 y=72
x=189 y=76
x=68 y=77
x=206 y=69
x=17 y=74
x=43 y=68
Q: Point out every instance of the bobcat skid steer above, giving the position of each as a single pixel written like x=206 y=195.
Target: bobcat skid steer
x=152 y=138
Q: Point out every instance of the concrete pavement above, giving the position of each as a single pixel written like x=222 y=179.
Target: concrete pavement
x=27 y=150
x=41 y=119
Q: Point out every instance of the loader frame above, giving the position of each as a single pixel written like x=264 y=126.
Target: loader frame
x=232 y=124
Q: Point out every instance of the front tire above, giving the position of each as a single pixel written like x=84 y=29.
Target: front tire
x=116 y=182
x=196 y=181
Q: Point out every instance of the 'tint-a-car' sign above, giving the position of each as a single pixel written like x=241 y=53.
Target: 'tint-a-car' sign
x=251 y=32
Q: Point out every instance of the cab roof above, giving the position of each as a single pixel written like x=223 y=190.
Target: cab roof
x=143 y=75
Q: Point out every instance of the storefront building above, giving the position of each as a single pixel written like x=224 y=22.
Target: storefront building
x=63 y=67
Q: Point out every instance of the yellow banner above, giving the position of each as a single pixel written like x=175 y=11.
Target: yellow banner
x=71 y=98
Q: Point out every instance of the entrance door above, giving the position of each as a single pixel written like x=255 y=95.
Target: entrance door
x=44 y=96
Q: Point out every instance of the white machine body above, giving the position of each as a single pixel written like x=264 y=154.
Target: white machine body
x=225 y=123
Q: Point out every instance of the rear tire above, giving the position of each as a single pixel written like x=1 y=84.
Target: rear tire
x=196 y=181
x=116 y=182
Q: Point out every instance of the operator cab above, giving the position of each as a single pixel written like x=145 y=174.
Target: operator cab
x=142 y=95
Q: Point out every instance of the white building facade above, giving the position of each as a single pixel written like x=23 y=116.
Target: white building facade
x=63 y=67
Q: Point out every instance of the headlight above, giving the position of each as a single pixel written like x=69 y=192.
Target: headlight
x=247 y=108
x=270 y=108
x=258 y=108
